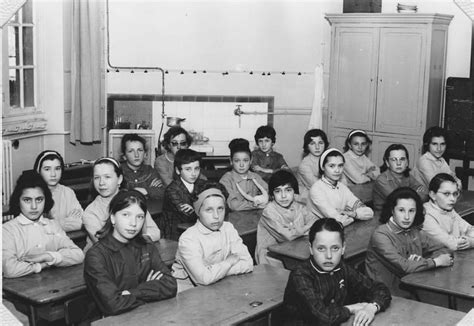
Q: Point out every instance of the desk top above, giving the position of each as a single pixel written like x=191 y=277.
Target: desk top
x=362 y=191
x=56 y=284
x=154 y=206
x=465 y=204
x=225 y=302
x=357 y=236
x=245 y=222
x=457 y=280
x=408 y=312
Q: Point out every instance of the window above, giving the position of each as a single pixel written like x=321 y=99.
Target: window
x=19 y=72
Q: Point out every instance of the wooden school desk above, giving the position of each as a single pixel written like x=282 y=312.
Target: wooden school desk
x=232 y=300
x=455 y=281
x=43 y=295
x=465 y=204
x=357 y=236
x=404 y=312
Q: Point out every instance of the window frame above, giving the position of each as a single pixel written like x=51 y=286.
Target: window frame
x=20 y=119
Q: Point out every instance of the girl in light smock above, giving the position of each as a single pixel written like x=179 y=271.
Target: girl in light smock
x=329 y=197
x=107 y=179
x=246 y=189
x=32 y=242
x=441 y=220
x=283 y=219
x=432 y=162
x=358 y=168
x=66 y=210
x=399 y=247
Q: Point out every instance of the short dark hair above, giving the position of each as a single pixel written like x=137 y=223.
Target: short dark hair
x=357 y=133
x=432 y=132
x=237 y=145
x=333 y=153
x=173 y=132
x=186 y=156
x=386 y=155
x=265 y=131
x=281 y=178
x=438 y=180
x=395 y=196
x=314 y=133
x=132 y=137
x=30 y=179
x=328 y=224
x=122 y=200
x=47 y=155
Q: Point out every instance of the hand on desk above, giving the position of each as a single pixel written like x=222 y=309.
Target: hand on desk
x=444 y=260
x=364 y=313
x=415 y=257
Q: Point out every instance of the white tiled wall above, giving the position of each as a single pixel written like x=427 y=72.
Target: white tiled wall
x=215 y=119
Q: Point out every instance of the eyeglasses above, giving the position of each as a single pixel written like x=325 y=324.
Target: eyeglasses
x=396 y=159
x=455 y=194
x=181 y=143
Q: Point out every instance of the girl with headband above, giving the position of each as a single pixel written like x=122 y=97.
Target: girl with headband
x=66 y=210
x=124 y=270
x=211 y=249
x=329 y=197
x=107 y=179
x=358 y=168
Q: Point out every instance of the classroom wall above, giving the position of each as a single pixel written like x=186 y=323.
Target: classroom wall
x=292 y=36
x=281 y=36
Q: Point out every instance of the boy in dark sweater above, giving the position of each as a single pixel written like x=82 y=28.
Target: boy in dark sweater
x=178 y=199
x=326 y=291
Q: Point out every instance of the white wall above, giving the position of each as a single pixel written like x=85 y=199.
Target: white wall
x=243 y=36
x=246 y=36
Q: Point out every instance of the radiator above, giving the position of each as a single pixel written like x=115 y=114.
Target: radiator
x=7 y=173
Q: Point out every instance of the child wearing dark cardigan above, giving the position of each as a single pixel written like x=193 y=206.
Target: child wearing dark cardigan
x=324 y=290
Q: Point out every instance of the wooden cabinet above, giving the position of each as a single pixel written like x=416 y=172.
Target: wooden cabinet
x=387 y=76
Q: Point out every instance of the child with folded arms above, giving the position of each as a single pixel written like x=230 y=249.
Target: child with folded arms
x=211 y=249
x=123 y=270
x=441 y=220
x=178 y=200
x=283 y=219
x=398 y=246
x=358 y=168
x=32 y=242
x=265 y=160
x=324 y=290
x=246 y=189
x=66 y=210
x=395 y=174
x=329 y=197
x=137 y=174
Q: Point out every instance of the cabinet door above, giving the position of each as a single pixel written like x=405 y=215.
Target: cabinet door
x=352 y=78
x=400 y=91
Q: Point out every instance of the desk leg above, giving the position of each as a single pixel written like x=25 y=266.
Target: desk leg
x=32 y=316
x=452 y=304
